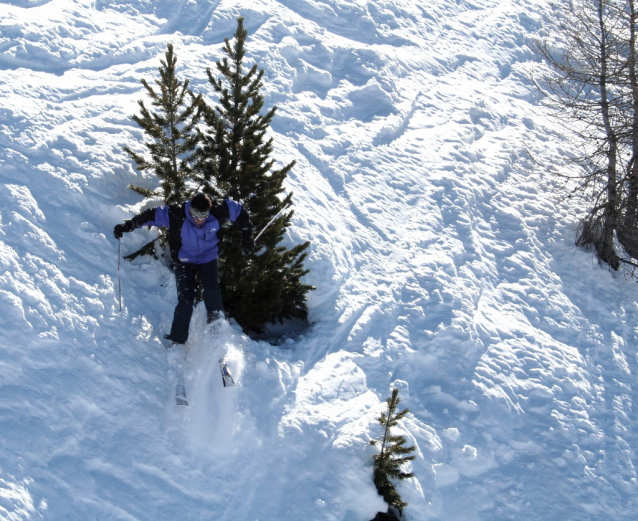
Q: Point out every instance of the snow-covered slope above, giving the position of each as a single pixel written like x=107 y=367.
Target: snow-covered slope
x=444 y=265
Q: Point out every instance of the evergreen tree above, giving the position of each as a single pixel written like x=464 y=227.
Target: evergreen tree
x=173 y=138
x=387 y=464
x=236 y=162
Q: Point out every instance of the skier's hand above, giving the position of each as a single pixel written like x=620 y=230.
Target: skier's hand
x=121 y=229
x=118 y=231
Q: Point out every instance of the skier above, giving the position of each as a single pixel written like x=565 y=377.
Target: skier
x=193 y=238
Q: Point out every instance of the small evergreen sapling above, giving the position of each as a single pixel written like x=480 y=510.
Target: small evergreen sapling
x=173 y=138
x=236 y=162
x=387 y=464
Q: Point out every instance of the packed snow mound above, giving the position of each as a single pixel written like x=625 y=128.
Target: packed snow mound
x=442 y=254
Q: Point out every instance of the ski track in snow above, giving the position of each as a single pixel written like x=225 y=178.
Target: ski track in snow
x=443 y=260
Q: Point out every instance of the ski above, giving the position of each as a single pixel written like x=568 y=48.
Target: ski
x=180 y=393
x=227 y=378
x=180 y=388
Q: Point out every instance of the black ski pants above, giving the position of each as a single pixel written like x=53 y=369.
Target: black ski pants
x=185 y=279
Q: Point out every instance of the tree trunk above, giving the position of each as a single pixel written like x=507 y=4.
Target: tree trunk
x=606 y=248
x=627 y=233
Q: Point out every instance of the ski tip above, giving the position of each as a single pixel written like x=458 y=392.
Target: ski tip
x=228 y=381
x=180 y=395
x=227 y=378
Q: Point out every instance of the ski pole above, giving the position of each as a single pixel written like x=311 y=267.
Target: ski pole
x=270 y=222
x=119 y=279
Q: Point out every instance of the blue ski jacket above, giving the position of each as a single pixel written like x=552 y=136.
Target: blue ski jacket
x=188 y=242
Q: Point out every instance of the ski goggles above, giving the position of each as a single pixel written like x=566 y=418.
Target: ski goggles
x=199 y=215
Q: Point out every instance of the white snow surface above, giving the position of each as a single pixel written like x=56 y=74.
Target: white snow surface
x=442 y=255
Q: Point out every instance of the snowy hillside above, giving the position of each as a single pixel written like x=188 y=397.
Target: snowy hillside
x=443 y=260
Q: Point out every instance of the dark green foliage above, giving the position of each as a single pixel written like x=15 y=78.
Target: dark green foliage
x=229 y=157
x=173 y=137
x=387 y=464
x=172 y=132
x=236 y=162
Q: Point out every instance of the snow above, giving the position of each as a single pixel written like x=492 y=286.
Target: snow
x=442 y=254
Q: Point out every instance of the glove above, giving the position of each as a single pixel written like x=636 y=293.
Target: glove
x=247 y=242
x=121 y=229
